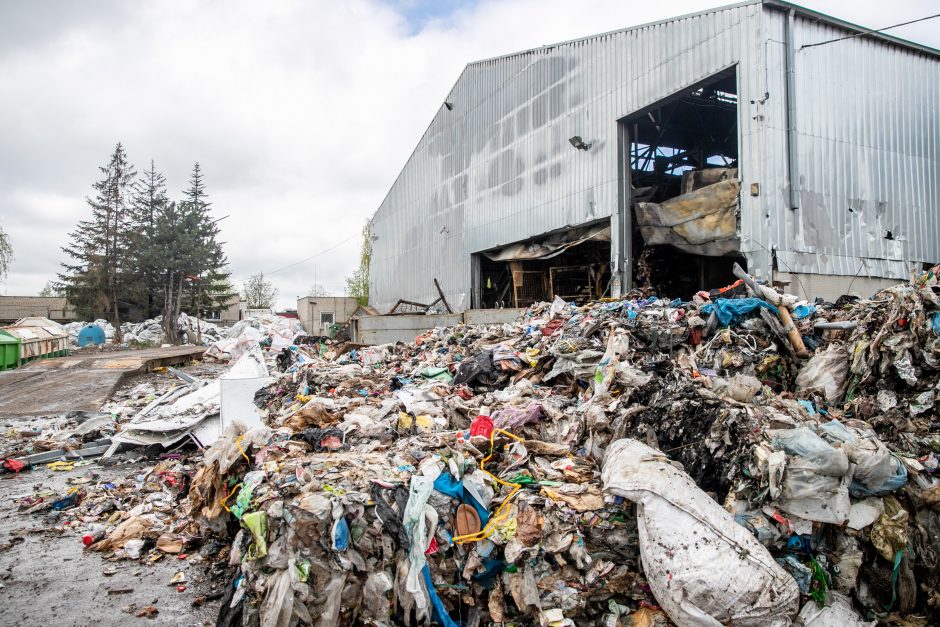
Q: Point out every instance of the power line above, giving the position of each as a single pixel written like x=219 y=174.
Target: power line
x=314 y=256
x=870 y=32
x=322 y=252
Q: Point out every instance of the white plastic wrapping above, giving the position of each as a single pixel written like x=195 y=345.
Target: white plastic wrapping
x=703 y=568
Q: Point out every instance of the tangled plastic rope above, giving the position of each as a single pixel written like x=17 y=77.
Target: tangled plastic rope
x=501 y=512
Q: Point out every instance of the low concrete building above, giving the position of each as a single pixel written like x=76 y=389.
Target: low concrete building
x=12 y=308
x=228 y=314
x=317 y=313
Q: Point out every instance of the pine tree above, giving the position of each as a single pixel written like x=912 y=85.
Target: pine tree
x=149 y=201
x=213 y=288
x=100 y=272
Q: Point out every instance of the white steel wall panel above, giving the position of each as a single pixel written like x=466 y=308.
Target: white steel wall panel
x=498 y=168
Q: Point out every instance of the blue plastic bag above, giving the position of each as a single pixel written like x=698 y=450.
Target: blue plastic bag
x=341 y=535
x=732 y=310
x=801 y=311
x=446 y=484
x=935 y=323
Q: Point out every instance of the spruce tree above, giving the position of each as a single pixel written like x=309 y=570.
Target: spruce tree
x=195 y=268
x=150 y=199
x=100 y=271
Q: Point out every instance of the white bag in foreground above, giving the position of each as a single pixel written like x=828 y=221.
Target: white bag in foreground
x=703 y=567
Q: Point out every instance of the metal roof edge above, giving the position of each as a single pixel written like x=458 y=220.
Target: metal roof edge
x=780 y=5
x=418 y=145
x=617 y=31
x=783 y=5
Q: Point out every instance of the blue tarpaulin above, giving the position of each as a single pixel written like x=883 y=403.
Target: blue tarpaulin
x=440 y=612
x=732 y=310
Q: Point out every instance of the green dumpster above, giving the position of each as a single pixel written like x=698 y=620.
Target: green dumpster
x=9 y=351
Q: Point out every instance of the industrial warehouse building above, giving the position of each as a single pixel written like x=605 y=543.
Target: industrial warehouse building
x=658 y=155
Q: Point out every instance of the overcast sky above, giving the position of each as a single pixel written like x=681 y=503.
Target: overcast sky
x=301 y=113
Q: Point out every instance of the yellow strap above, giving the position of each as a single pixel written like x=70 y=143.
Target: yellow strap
x=238 y=443
x=501 y=514
x=225 y=500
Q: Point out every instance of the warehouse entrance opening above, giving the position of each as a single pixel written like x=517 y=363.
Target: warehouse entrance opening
x=682 y=168
x=573 y=264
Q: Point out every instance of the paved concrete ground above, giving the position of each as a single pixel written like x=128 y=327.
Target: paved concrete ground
x=46 y=578
x=80 y=382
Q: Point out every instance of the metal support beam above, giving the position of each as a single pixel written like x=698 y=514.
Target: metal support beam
x=793 y=166
x=624 y=216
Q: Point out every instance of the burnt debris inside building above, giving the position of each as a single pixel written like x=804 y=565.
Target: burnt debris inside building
x=684 y=202
x=573 y=264
x=684 y=188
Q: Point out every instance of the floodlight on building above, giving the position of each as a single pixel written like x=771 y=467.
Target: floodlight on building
x=578 y=143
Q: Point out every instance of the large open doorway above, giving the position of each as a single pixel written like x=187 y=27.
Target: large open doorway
x=573 y=264
x=683 y=194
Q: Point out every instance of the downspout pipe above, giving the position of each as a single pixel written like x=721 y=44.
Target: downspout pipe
x=793 y=166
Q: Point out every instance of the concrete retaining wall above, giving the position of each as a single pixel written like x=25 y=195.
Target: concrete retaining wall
x=387 y=329
x=491 y=316
x=831 y=287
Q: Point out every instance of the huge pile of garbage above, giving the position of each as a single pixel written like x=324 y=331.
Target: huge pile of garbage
x=271 y=331
x=225 y=343
x=168 y=410
x=736 y=458
x=191 y=330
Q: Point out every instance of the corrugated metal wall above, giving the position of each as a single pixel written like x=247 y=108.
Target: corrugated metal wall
x=498 y=168
x=868 y=125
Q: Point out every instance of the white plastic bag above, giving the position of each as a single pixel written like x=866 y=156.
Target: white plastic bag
x=702 y=566
x=740 y=387
x=558 y=306
x=813 y=452
x=827 y=373
x=415 y=521
x=816 y=482
x=813 y=496
x=839 y=613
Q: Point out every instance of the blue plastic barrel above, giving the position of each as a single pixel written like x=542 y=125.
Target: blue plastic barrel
x=90 y=334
